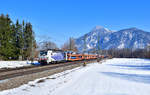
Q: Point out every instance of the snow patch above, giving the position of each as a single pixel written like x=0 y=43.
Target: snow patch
x=117 y=76
x=14 y=64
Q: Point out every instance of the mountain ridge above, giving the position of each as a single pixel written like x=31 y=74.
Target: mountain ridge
x=126 y=38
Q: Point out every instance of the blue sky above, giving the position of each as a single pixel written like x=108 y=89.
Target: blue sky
x=61 y=19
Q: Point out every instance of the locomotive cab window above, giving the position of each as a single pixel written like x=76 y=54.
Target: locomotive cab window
x=42 y=53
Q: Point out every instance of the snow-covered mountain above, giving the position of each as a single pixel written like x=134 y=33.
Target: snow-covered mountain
x=126 y=38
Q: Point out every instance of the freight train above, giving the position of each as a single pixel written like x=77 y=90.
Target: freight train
x=55 y=56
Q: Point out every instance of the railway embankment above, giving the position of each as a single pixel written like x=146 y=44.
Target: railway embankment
x=16 y=78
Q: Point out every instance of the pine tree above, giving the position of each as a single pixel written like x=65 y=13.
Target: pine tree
x=23 y=47
x=19 y=39
x=6 y=48
x=14 y=41
x=29 y=41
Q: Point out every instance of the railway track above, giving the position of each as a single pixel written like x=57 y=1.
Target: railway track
x=11 y=73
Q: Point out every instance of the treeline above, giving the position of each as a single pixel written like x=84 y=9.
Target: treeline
x=17 y=40
x=129 y=53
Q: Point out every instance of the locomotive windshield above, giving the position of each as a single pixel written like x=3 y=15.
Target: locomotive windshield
x=42 y=53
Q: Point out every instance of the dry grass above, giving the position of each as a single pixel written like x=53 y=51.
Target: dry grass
x=51 y=78
x=40 y=81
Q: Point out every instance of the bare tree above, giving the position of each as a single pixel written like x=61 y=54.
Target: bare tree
x=69 y=45
x=44 y=43
x=48 y=45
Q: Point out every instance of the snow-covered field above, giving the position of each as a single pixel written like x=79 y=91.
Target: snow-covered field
x=113 y=77
x=14 y=64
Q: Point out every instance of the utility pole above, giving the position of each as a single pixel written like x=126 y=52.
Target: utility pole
x=32 y=52
x=98 y=51
x=70 y=48
x=84 y=39
x=84 y=50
